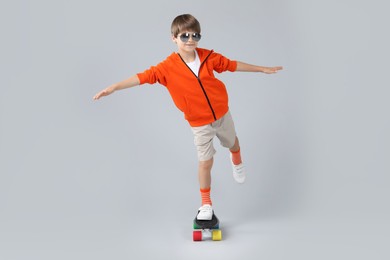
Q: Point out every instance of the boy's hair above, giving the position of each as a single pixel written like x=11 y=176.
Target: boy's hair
x=184 y=22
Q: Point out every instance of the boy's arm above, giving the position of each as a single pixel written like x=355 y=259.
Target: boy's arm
x=241 y=66
x=127 y=83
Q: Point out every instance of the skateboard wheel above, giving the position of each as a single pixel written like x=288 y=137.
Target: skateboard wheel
x=217 y=235
x=197 y=235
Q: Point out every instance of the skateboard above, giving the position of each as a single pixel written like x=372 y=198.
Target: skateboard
x=206 y=229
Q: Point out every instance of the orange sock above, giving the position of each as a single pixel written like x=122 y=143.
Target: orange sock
x=236 y=157
x=205 y=193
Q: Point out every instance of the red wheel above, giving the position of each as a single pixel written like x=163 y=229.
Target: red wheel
x=197 y=235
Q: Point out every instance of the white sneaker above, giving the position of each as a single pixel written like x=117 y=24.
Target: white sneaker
x=239 y=172
x=205 y=212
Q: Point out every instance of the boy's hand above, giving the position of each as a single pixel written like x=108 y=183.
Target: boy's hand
x=271 y=70
x=104 y=92
x=127 y=83
x=241 y=66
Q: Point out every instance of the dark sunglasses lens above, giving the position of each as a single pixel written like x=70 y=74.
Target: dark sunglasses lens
x=185 y=37
x=196 y=37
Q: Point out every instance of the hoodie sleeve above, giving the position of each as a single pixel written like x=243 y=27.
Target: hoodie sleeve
x=152 y=75
x=221 y=63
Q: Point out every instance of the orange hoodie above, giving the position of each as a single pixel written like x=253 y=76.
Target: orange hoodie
x=203 y=99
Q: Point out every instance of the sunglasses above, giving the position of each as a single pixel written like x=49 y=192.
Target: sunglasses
x=185 y=37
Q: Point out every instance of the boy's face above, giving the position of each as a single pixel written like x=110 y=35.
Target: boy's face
x=187 y=41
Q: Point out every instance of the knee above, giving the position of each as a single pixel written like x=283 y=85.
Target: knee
x=206 y=165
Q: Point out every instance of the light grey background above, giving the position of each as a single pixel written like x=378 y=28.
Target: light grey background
x=116 y=179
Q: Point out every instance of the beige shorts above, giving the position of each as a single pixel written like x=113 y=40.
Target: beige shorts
x=223 y=128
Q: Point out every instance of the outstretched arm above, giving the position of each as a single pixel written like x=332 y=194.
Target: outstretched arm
x=241 y=66
x=127 y=83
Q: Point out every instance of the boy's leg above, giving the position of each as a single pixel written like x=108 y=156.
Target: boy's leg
x=227 y=135
x=203 y=138
x=236 y=153
x=204 y=171
x=236 y=146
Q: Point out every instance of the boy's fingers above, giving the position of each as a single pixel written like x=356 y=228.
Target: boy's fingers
x=276 y=69
x=97 y=96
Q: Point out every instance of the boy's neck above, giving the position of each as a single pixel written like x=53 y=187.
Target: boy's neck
x=187 y=56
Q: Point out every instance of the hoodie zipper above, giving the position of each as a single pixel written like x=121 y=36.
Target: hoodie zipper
x=200 y=82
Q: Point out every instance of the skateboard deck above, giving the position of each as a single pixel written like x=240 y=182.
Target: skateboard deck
x=204 y=229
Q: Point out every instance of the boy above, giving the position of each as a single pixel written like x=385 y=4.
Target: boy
x=188 y=76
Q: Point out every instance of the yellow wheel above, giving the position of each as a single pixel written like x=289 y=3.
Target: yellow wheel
x=217 y=235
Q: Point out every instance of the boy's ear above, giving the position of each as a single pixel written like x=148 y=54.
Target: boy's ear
x=174 y=39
